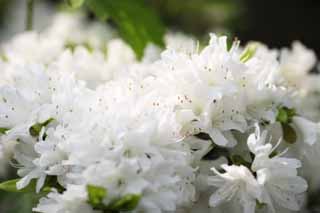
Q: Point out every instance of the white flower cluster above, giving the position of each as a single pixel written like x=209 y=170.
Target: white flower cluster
x=216 y=129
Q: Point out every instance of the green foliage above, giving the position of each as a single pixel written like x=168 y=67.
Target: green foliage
x=24 y=199
x=282 y=116
x=285 y=116
x=10 y=186
x=289 y=134
x=127 y=203
x=138 y=24
x=238 y=160
x=96 y=195
x=51 y=182
x=4 y=58
x=260 y=205
x=11 y=202
x=273 y=154
x=248 y=53
x=36 y=128
x=3 y=130
x=72 y=46
x=75 y=3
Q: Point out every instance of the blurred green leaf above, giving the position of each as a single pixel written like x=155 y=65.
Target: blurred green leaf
x=51 y=182
x=10 y=186
x=285 y=114
x=75 y=3
x=126 y=203
x=239 y=160
x=248 y=53
x=35 y=129
x=3 y=130
x=260 y=205
x=25 y=199
x=289 y=134
x=138 y=24
x=11 y=202
x=96 y=195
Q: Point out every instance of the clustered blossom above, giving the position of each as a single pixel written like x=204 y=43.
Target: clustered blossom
x=188 y=129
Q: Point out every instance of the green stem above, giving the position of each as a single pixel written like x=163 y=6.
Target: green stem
x=29 y=18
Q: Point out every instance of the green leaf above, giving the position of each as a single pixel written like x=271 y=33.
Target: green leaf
x=285 y=114
x=260 y=205
x=19 y=202
x=10 y=186
x=291 y=112
x=75 y=3
x=35 y=129
x=46 y=123
x=249 y=52
x=282 y=116
x=51 y=182
x=4 y=58
x=273 y=154
x=3 y=130
x=238 y=160
x=138 y=24
x=72 y=46
x=289 y=134
x=127 y=203
x=96 y=195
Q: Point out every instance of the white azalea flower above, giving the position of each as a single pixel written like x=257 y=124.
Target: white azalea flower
x=237 y=183
x=309 y=130
x=77 y=107
x=296 y=63
x=281 y=186
x=277 y=175
x=74 y=200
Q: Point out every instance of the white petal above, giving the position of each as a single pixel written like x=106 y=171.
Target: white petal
x=293 y=184
x=285 y=199
x=217 y=137
x=224 y=193
x=308 y=129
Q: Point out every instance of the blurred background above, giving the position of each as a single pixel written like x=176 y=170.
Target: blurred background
x=274 y=22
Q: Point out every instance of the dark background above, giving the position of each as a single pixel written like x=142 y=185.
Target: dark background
x=279 y=22
x=274 y=22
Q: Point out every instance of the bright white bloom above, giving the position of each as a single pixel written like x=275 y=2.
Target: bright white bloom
x=296 y=63
x=74 y=200
x=77 y=30
x=237 y=183
x=78 y=109
x=31 y=47
x=282 y=186
x=309 y=130
x=276 y=174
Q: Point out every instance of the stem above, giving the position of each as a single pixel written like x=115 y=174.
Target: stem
x=29 y=17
